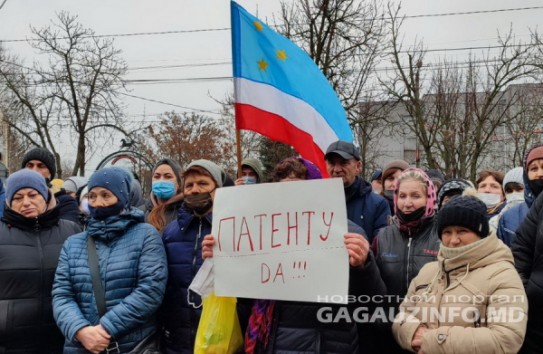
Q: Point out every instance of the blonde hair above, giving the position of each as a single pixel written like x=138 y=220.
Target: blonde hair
x=413 y=175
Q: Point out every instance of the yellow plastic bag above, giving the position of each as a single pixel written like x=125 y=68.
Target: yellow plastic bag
x=218 y=331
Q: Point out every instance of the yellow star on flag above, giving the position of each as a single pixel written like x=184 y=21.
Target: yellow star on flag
x=258 y=26
x=262 y=65
x=282 y=54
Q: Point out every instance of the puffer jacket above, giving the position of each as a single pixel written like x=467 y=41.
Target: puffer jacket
x=29 y=250
x=510 y=221
x=133 y=270
x=528 y=253
x=472 y=302
x=400 y=256
x=183 y=242
x=367 y=209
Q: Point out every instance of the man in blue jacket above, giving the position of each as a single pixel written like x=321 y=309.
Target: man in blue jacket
x=369 y=210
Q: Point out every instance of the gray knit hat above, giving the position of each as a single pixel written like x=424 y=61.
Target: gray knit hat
x=514 y=175
x=74 y=183
x=214 y=170
x=26 y=178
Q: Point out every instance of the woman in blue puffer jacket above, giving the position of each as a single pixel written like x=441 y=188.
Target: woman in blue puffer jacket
x=133 y=271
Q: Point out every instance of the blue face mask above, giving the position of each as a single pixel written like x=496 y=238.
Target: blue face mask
x=163 y=189
x=249 y=180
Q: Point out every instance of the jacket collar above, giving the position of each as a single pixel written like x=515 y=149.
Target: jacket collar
x=114 y=226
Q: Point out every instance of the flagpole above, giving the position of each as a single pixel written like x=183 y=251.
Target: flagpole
x=238 y=149
x=235 y=23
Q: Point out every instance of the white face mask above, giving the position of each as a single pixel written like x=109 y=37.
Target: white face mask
x=203 y=282
x=515 y=197
x=490 y=199
x=377 y=191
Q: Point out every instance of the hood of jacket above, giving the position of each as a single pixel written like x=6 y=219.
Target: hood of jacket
x=488 y=250
x=112 y=227
x=529 y=195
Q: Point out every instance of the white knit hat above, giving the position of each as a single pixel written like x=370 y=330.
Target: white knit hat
x=514 y=175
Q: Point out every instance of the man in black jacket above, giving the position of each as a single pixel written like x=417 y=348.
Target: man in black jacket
x=42 y=161
x=365 y=208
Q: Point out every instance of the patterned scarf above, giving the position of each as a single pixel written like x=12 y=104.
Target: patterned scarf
x=259 y=327
x=412 y=226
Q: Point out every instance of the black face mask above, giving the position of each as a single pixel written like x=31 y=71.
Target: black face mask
x=199 y=203
x=389 y=193
x=105 y=212
x=536 y=185
x=407 y=218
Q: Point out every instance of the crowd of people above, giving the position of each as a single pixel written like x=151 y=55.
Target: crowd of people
x=89 y=264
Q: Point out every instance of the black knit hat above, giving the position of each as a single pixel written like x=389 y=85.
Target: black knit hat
x=465 y=211
x=43 y=155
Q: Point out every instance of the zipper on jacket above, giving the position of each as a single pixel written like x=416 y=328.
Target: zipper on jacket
x=193 y=329
x=42 y=278
x=408 y=260
x=37 y=225
x=195 y=250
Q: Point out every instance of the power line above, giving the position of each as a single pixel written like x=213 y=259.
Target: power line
x=173 y=66
x=176 y=81
x=170 y=104
x=132 y=34
x=135 y=34
x=475 y=12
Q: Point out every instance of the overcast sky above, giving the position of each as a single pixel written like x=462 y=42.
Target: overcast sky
x=206 y=54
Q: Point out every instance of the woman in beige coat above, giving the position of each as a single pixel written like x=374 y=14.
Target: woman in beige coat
x=472 y=299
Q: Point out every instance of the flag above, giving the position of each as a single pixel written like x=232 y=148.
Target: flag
x=281 y=93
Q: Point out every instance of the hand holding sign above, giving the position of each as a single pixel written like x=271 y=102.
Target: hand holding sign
x=358 y=248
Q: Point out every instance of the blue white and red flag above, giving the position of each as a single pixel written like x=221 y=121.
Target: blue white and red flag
x=281 y=93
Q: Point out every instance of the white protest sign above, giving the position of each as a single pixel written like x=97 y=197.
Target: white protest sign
x=281 y=241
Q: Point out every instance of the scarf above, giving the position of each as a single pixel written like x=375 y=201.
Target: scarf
x=259 y=327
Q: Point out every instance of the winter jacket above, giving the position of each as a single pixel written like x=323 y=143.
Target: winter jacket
x=366 y=208
x=29 y=251
x=183 y=242
x=133 y=271
x=314 y=328
x=473 y=302
x=400 y=257
x=170 y=212
x=528 y=253
x=69 y=208
x=510 y=221
x=2 y=198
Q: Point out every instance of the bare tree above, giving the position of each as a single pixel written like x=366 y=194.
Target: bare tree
x=345 y=38
x=455 y=114
x=76 y=91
